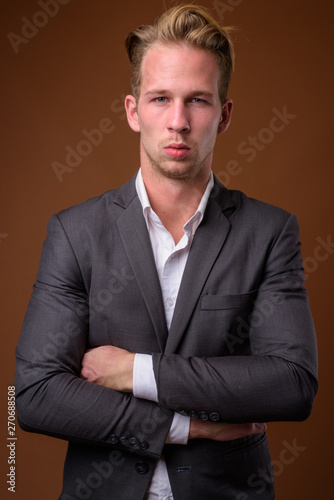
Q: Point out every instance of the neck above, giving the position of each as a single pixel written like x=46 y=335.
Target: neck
x=174 y=201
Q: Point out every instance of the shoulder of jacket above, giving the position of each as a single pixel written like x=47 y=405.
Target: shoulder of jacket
x=255 y=215
x=254 y=207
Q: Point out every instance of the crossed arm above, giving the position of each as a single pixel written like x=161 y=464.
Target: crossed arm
x=112 y=367
x=53 y=399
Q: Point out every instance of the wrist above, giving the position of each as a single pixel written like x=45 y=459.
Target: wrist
x=197 y=429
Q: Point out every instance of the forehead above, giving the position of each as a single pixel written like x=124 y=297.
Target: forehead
x=176 y=63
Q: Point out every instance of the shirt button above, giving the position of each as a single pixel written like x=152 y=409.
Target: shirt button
x=170 y=302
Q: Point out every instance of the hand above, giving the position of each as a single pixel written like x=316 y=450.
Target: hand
x=221 y=431
x=109 y=366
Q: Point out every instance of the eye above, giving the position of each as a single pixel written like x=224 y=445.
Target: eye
x=197 y=100
x=160 y=99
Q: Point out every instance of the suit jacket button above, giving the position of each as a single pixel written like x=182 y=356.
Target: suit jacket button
x=143 y=445
x=193 y=414
x=124 y=440
x=183 y=412
x=204 y=415
x=133 y=441
x=113 y=439
x=214 y=416
x=141 y=467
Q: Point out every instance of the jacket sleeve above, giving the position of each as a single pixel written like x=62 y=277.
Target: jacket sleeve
x=51 y=397
x=278 y=380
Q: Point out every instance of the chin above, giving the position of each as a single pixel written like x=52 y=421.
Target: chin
x=179 y=173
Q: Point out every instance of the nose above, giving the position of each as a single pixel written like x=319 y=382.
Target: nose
x=178 y=120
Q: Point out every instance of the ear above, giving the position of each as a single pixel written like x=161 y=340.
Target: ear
x=226 y=116
x=131 y=112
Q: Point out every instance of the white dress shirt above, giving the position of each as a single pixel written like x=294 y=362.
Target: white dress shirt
x=170 y=260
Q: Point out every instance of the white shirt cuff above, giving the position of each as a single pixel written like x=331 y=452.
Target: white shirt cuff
x=144 y=384
x=179 y=430
x=145 y=387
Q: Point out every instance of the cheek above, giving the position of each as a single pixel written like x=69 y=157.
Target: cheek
x=209 y=135
x=147 y=132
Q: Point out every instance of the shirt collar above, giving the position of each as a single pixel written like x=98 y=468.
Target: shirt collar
x=147 y=209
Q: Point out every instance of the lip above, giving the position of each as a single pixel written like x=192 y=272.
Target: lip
x=177 y=150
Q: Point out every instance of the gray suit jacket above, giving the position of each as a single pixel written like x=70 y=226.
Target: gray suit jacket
x=241 y=347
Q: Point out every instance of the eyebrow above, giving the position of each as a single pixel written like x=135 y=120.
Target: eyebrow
x=192 y=93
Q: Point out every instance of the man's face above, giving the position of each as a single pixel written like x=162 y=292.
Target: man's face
x=178 y=113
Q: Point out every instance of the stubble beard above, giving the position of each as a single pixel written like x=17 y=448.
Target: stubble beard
x=185 y=170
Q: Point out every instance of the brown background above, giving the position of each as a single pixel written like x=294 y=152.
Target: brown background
x=73 y=73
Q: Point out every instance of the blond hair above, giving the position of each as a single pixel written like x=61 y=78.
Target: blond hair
x=190 y=24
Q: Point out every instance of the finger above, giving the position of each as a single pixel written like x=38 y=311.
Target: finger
x=249 y=429
x=259 y=427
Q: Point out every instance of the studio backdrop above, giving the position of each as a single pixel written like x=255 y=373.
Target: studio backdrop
x=65 y=138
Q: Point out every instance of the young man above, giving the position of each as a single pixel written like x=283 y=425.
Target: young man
x=170 y=313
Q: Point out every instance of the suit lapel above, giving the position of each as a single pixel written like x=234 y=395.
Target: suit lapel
x=207 y=244
x=135 y=238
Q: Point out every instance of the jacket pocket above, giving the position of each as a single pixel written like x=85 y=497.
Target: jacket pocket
x=213 y=302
